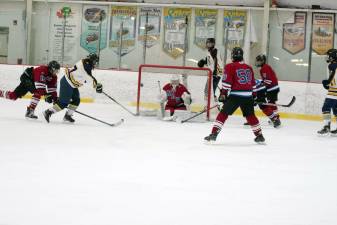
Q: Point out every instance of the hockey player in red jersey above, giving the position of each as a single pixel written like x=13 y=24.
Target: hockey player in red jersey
x=39 y=81
x=270 y=80
x=237 y=91
x=176 y=96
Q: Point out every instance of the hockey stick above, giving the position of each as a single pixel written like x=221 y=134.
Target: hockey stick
x=134 y=114
x=198 y=114
x=292 y=101
x=162 y=109
x=101 y=121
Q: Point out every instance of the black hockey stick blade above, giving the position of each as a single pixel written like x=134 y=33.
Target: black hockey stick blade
x=101 y=121
x=292 y=101
x=198 y=114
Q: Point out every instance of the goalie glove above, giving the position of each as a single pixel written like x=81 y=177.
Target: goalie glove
x=186 y=98
x=99 y=88
x=325 y=84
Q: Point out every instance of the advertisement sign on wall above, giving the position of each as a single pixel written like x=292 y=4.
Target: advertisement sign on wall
x=176 y=30
x=294 y=34
x=205 y=26
x=94 y=28
x=123 y=29
x=322 y=32
x=149 y=25
x=64 y=30
x=234 y=28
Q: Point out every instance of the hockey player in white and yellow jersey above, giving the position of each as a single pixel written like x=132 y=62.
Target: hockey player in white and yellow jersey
x=75 y=77
x=330 y=102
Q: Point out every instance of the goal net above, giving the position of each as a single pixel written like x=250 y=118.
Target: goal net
x=152 y=78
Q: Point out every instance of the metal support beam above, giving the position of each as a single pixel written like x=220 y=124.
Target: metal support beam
x=265 y=27
x=28 y=28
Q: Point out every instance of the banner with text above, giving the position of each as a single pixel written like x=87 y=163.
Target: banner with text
x=322 y=32
x=94 y=28
x=149 y=26
x=294 y=34
x=64 y=30
x=176 y=22
x=205 y=26
x=123 y=29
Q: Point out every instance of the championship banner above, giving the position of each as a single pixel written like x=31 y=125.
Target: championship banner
x=94 y=28
x=294 y=34
x=64 y=23
x=205 y=26
x=176 y=30
x=123 y=28
x=323 y=32
x=152 y=17
x=234 y=27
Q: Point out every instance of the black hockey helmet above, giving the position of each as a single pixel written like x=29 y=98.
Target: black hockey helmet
x=260 y=60
x=331 y=55
x=53 y=67
x=210 y=43
x=93 y=59
x=237 y=54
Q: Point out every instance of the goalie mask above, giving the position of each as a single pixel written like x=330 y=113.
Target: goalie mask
x=175 y=81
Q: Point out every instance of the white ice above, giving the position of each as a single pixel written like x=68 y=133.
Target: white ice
x=149 y=172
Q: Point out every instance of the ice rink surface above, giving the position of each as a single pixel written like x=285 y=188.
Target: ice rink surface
x=150 y=172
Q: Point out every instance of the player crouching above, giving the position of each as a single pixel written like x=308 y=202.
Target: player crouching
x=177 y=98
x=40 y=81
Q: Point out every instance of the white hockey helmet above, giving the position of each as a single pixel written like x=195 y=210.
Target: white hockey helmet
x=175 y=80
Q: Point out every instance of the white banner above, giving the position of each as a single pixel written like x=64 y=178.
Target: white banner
x=71 y=17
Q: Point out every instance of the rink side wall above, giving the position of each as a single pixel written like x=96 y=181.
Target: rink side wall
x=122 y=85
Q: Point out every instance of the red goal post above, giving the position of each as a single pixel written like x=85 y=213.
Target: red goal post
x=182 y=70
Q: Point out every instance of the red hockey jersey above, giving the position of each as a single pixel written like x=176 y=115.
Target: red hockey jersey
x=174 y=96
x=44 y=81
x=239 y=79
x=269 y=77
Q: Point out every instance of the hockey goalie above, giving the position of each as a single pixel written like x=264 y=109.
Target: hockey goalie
x=177 y=100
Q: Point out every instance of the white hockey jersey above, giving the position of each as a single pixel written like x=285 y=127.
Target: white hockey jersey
x=77 y=75
x=210 y=63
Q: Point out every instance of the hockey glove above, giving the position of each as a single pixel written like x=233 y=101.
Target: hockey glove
x=223 y=96
x=325 y=84
x=201 y=63
x=99 y=88
x=48 y=98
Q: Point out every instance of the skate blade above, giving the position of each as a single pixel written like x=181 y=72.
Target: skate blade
x=29 y=118
x=323 y=135
x=209 y=142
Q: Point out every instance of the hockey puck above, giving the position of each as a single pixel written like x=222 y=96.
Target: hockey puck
x=141 y=84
